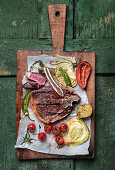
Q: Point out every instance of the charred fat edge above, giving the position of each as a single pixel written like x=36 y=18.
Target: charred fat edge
x=56 y=87
x=28 y=74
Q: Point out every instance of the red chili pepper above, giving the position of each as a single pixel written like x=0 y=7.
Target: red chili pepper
x=82 y=73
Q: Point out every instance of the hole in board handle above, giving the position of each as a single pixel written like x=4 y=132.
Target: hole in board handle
x=57 y=14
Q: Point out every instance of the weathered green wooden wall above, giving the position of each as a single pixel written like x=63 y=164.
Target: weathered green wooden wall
x=90 y=26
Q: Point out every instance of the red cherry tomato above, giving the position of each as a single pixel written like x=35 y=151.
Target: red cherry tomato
x=48 y=128
x=63 y=127
x=32 y=127
x=42 y=136
x=59 y=140
x=56 y=131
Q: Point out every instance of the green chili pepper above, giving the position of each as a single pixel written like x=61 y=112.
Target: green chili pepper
x=66 y=77
x=25 y=103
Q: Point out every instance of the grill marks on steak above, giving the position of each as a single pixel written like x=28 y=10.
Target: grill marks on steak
x=48 y=105
x=46 y=98
x=46 y=110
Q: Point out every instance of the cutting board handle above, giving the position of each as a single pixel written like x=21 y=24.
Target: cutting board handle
x=57 y=19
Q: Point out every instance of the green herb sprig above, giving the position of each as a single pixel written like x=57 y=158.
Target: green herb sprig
x=27 y=138
x=41 y=65
x=76 y=64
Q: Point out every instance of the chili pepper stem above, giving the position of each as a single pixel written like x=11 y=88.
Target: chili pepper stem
x=27 y=114
x=30 y=118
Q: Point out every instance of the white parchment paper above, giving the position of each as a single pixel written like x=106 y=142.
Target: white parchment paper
x=50 y=146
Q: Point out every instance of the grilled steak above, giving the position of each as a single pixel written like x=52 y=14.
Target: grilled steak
x=49 y=107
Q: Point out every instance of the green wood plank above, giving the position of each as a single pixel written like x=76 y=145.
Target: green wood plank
x=105 y=127
x=18 y=19
x=94 y=19
x=8 y=157
x=56 y=164
x=104 y=49
x=43 y=24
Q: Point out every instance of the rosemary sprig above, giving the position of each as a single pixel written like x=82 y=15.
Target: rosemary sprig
x=27 y=138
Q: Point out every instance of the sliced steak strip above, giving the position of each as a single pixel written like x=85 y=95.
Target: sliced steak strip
x=31 y=85
x=36 y=77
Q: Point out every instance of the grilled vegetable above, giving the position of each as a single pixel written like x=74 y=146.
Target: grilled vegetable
x=78 y=132
x=84 y=110
x=25 y=102
x=66 y=60
x=82 y=73
x=58 y=62
x=58 y=56
x=70 y=73
x=66 y=77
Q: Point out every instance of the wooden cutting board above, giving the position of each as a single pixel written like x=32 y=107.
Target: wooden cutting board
x=57 y=19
